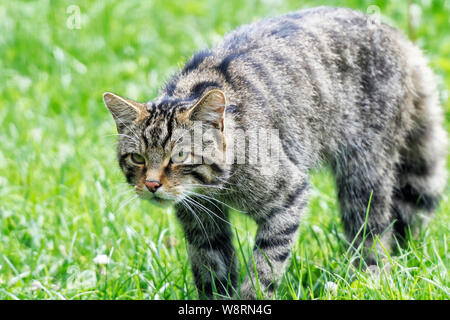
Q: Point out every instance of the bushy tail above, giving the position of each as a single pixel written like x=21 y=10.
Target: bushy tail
x=422 y=175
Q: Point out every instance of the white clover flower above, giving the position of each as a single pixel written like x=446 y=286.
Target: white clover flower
x=101 y=259
x=36 y=285
x=331 y=287
x=316 y=229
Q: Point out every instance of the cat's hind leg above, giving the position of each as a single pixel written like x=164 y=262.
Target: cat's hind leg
x=365 y=177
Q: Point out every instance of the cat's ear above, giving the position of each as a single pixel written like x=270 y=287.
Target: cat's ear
x=210 y=108
x=124 y=111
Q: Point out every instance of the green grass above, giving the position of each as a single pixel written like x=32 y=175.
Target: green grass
x=63 y=200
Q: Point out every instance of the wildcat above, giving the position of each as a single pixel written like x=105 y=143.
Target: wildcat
x=341 y=90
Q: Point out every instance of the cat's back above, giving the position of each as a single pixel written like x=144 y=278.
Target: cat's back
x=311 y=60
x=307 y=69
x=307 y=46
x=325 y=47
x=296 y=26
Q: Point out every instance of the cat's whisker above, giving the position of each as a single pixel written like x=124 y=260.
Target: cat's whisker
x=225 y=181
x=203 y=197
x=212 y=212
x=119 y=195
x=178 y=139
x=202 y=208
x=122 y=135
x=186 y=205
x=118 y=135
x=132 y=131
x=224 y=220
x=209 y=186
x=208 y=198
x=125 y=192
x=126 y=202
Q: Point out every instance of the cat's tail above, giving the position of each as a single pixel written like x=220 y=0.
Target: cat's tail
x=422 y=175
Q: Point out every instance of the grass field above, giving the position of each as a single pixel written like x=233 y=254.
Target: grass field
x=69 y=226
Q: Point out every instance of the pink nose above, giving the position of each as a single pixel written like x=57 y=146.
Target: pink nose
x=152 y=186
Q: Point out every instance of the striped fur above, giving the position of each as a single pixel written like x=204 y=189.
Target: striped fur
x=339 y=89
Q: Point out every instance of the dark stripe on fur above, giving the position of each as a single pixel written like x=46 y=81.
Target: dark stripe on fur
x=171 y=85
x=200 y=177
x=267 y=78
x=223 y=66
x=263 y=243
x=130 y=174
x=216 y=168
x=285 y=30
x=292 y=196
x=122 y=159
x=267 y=283
x=421 y=200
x=282 y=256
x=145 y=140
x=232 y=109
x=288 y=201
x=169 y=128
x=187 y=169
x=417 y=166
x=290 y=229
x=217 y=242
x=200 y=88
x=400 y=225
x=196 y=61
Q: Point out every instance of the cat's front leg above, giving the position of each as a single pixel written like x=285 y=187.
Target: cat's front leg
x=209 y=243
x=277 y=230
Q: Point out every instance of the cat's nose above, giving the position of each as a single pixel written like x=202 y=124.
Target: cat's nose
x=152 y=186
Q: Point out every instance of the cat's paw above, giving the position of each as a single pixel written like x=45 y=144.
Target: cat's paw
x=377 y=273
x=248 y=292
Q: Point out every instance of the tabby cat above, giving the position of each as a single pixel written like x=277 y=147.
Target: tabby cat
x=338 y=89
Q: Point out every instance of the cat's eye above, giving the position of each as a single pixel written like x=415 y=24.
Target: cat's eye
x=136 y=158
x=179 y=156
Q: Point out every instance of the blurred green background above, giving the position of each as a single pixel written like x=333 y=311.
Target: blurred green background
x=69 y=225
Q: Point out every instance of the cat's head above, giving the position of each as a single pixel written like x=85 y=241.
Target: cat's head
x=173 y=147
